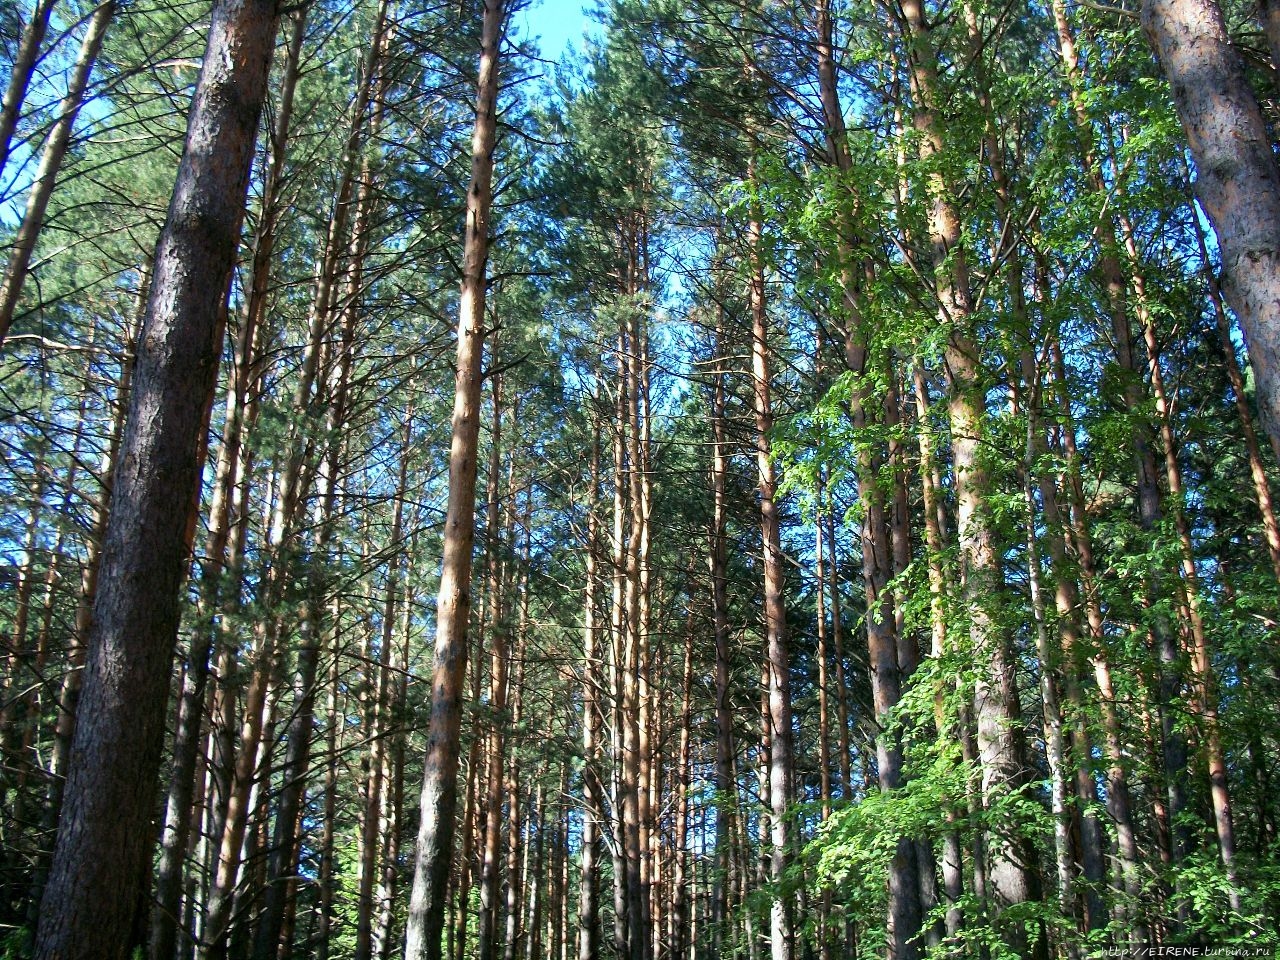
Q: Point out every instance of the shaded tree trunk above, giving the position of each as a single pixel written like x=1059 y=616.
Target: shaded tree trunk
x=24 y=62
x=104 y=835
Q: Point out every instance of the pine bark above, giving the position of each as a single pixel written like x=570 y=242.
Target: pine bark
x=104 y=833
x=1237 y=181
x=22 y=72
x=592 y=682
x=434 y=852
x=777 y=718
x=1010 y=870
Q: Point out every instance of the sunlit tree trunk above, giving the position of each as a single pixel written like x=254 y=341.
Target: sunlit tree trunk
x=434 y=850
x=777 y=658
x=592 y=682
x=1010 y=870
x=1237 y=181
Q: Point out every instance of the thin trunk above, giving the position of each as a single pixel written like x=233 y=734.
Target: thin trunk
x=434 y=850
x=498 y=627
x=1257 y=467
x=325 y=874
x=1148 y=490
x=725 y=786
x=394 y=758
x=475 y=808
x=592 y=680
x=680 y=915
x=55 y=150
x=1205 y=698
x=777 y=657
x=515 y=886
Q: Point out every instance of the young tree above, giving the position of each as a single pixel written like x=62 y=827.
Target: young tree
x=434 y=852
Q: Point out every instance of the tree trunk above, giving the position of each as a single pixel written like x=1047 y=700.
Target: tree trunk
x=1257 y=467
x=498 y=627
x=174 y=836
x=1237 y=181
x=434 y=850
x=724 y=782
x=777 y=658
x=104 y=834
x=55 y=149
x=24 y=62
x=592 y=793
x=1010 y=869
x=681 y=915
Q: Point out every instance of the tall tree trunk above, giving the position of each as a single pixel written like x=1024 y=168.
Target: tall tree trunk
x=592 y=680
x=1149 y=497
x=1010 y=868
x=1118 y=797
x=326 y=852
x=1257 y=467
x=1205 y=696
x=104 y=834
x=725 y=786
x=434 y=850
x=617 y=651
x=777 y=659
x=681 y=916
x=475 y=814
x=393 y=796
x=289 y=498
x=174 y=836
x=1237 y=181
x=498 y=627
x=881 y=550
x=512 y=932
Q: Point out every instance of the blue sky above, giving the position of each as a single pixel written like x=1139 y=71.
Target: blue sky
x=557 y=24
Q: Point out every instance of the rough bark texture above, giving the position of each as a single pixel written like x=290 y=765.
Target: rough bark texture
x=1237 y=182
x=439 y=783
x=174 y=835
x=105 y=834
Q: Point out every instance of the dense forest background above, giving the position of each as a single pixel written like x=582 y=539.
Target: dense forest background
x=874 y=547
